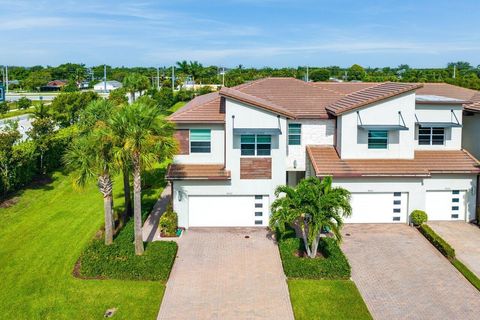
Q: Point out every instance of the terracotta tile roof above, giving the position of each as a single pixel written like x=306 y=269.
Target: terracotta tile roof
x=344 y=88
x=370 y=95
x=197 y=172
x=205 y=108
x=475 y=107
x=326 y=161
x=450 y=91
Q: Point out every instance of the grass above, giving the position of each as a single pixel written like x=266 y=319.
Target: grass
x=16 y=113
x=42 y=237
x=469 y=275
x=326 y=299
x=177 y=106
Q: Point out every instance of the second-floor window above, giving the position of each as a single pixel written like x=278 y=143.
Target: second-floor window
x=255 y=145
x=200 y=140
x=431 y=136
x=294 y=134
x=377 y=139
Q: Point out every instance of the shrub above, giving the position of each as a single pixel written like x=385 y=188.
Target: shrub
x=118 y=261
x=437 y=242
x=333 y=264
x=24 y=103
x=418 y=217
x=169 y=222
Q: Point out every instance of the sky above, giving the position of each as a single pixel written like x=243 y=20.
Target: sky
x=254 y=33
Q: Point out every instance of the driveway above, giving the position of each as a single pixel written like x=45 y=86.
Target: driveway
x=402 y=276
x=464 y=238
x=220 y=274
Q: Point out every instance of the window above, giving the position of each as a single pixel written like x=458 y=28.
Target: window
x=200 y=140
x=455 y=208
x=258 y=205
x=258 y=221
x=454 y=216
x=259 y=145
x=397 y=201
x=294 y=134
x=396 y=210
x=257 y=197
x=431 y=136
x=377 y=139
x=258 y=214
x=396 y=218
x=397 y=194
x=455 y=200
x=455 y=191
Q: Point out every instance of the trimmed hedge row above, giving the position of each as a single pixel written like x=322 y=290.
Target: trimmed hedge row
x=333 y=264
x=118 y=261
x=437 y=242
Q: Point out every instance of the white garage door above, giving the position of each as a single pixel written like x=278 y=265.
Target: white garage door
x=445 y=205
x=376 y=207
x=228 y=211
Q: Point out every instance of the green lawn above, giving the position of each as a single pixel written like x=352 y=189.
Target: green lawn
x=41 y=238
x=177 y=106
x=326 y=299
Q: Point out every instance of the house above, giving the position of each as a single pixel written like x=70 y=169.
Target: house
x=394 y=146
x=55 y=85
x=107 y=86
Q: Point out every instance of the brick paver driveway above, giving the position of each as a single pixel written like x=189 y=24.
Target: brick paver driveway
x=402 y=276
x=464 y=238
x=219 y=274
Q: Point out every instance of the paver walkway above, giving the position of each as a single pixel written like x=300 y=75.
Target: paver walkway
x=464 y=238
x=220 y=274
x=402 y=276
x=150 y=231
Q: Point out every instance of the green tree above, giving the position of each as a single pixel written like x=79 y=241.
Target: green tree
x=311 y=207
x=356 y=72
x=148 y=140
x=319 y=75
x=118 y=96
x=41 y=134
x=164 y=98
x=91 y=157
x=9 y=136
x=24 y=103
x=37 y=79
x=4 y=108
x=135 y=82
x=71 y=86
x=66 y=107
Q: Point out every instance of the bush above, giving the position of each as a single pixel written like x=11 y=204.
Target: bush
x=333 y=264
x=24 y=103
x=418 y=217
x=437 y=242
x=169 y=222
x=118 y=261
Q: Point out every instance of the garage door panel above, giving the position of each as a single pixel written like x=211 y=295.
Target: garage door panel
x=228 y=211
x=378 y=207
x=445 y=205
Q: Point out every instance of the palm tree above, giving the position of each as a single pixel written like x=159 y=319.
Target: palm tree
x=310 y=207
x=135 y=82
x=148 y=140
x=91 y=157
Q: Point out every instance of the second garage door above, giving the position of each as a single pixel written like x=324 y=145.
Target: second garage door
x=445 y=205
x=228 y=211
x=379 y=207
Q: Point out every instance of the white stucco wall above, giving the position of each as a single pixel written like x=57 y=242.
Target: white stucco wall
x=440 y=113
x=471 y=134
x=354 y=141
x=313 y=132
x=217 y=146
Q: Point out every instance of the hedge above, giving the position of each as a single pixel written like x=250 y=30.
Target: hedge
x=118 y=261
x=438 y=242
x=333 y=264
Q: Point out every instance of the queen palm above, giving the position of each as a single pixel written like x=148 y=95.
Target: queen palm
x=91 y=158
x=310 y=207
x=148 y=140
x=135 y=82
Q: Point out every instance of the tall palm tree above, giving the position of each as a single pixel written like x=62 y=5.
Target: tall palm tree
x=91 y=157
x=310 y=207
x=148 y=140
x=135 y=82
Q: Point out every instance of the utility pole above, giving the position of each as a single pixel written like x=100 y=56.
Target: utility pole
x=158 y=79
x=105 y=78
x=6 y=79
x=454 y=70
x=307 y=75
x=173 y=78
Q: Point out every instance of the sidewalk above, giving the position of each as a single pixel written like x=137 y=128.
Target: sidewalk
x=150 y=230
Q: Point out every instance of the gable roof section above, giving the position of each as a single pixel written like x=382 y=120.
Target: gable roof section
x=207 y=108
x=326 y=161
x=344 y=88
x=370 y=95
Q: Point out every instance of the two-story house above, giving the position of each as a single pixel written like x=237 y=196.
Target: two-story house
x=395 y=150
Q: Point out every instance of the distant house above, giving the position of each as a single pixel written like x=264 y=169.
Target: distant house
x=108 y=86
x=55 y=85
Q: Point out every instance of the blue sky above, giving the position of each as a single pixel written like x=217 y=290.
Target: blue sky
x=257 y=33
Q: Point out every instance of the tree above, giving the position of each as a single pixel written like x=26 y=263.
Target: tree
x=4 y=107
x=91 y=157
x=356 y=72
x=71 y=86
x=9 y=136
x=164 y=98
x=319 y=75
x=41 y=134
x=24 y=103
x=310 y=207
x=135 y=82
x=148 y=140
x=118 y=96
x=66 y=107
x=37 y=79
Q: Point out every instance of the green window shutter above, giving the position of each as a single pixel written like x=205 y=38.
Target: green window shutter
x=200 y=141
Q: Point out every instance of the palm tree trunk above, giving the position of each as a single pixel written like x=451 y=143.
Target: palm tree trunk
x=316 y=241
x=303 y=229
x=137 y=205
x=126 y=192
x=105 y=185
